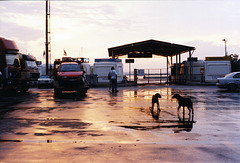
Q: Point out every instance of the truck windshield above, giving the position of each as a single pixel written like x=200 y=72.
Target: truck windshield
x=31 y=64
x=12 y=59
x=70 y=67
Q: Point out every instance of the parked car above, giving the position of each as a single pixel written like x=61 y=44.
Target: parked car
x=45 y=81
x=230 y=81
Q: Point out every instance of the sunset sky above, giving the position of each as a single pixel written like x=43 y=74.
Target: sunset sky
x=89 y=28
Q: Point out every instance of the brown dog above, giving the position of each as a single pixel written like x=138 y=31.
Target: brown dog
x=182 y=102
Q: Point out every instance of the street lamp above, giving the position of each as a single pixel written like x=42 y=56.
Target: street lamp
x=225 y=41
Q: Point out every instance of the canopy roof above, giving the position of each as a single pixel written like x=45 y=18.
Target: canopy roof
x=146 y=49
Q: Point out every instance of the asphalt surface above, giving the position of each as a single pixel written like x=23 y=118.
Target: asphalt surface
x=106 y=127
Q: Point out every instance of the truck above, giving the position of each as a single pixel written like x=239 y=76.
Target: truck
x=29 y=72
x=10 y=69
x=68 y=75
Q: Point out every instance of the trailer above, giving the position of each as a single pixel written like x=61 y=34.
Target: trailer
x=216 y=67
x=195 y=67
x=101 y=68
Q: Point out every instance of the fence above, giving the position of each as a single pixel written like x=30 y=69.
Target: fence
x=151 y=76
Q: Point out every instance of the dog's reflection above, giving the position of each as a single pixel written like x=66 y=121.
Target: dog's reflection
x=155 y=112
x=185 y=123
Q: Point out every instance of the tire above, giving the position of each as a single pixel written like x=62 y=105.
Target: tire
x=57 y=92
x=24 y=89
x=81 y=92
x=232 y=87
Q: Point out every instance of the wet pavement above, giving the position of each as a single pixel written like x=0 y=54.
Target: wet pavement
x=106 y=127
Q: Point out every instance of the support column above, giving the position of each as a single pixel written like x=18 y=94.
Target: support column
x=112 y=54
x=179 y=61
x=190 y=68
x=167 y=70
x=179 y=58
x=176 y=69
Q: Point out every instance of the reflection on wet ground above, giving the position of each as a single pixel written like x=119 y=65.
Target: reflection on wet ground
x=129 y=108
x=127 y=104
x=124 y=117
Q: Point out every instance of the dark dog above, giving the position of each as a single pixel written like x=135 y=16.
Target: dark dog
x=155 y=100
x=184 y=102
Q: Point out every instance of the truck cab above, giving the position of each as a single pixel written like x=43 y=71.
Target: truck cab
x=69 y=76
x=29 y=72
x=9 y=66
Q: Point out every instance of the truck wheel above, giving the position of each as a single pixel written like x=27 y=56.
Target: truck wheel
x=57 y=92
x=24 y=89
x=232 y=87
x=81 y=92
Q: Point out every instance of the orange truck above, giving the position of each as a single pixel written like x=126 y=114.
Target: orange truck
x=10 y=69
x=68 y=75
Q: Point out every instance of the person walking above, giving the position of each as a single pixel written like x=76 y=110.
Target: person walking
x=110 y=82
x=113 y=76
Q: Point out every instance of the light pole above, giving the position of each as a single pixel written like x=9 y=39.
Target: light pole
x=225 y=42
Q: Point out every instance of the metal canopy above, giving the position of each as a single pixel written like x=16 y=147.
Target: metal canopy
x=146 y=49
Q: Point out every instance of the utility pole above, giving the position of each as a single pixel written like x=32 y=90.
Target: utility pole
x=47 y=34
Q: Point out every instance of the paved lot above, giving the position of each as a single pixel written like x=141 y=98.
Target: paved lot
x=105 y=127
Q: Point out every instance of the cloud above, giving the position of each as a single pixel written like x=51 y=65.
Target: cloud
x=21 y=20
x=95 y=26
x=20 y=32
